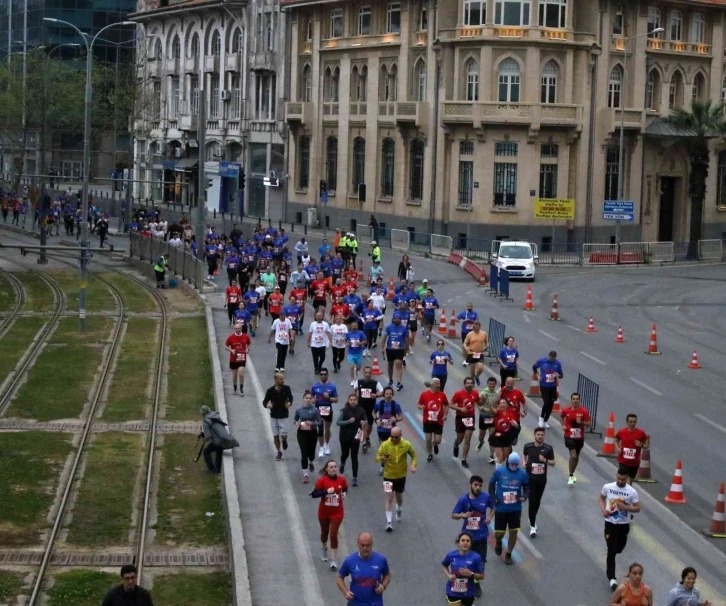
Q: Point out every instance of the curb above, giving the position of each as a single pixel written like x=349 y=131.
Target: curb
x=238 y=550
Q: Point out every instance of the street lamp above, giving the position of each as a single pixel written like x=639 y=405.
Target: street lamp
x=621 y=185
x=85 y=243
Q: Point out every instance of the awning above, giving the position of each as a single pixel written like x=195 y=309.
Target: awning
x=192 y=143
x=661 y=128
x=186 y=164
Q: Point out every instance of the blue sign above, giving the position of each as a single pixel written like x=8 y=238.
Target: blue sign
x=618 y=210
x=229 y=169
x=324 y=197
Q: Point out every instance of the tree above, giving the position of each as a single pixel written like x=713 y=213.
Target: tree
x=705 y=120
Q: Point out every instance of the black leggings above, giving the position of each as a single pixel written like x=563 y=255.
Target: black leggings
x=536 y=490
x=616 y=538
x=318 y=357
x=281 y=355
x=231 y=308
x=349 y=446
x=506 y=372
x=371 y=336
x=307 y=440
x=338 y=356
x=549 y=395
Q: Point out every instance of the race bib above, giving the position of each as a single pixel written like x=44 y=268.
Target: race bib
x=575 y=433
x=550 y=378
x=538 y=469
x=354 y=343
x=511 y=359
x=473 y=523
x=233 y=298
x=476 y=355
x=325 y=411
x=359 y=435
x=509 y=497
x=433 y=416
x=282 y=335
x=387 y=423
x=629 y=453
x=439 y=360
x=332 y=500
x=365 y=393
x=387 y=486
x=241 y=356
x=467 y=421
x=459 y=585
x=395 y=344
x=488 y=420
x=305 y=425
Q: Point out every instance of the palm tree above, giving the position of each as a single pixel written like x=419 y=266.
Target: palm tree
x=702 y=122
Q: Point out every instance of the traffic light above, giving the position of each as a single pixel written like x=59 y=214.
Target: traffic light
x=210 y=182
x=323 y=186
x=361 y=192
x=242 y=179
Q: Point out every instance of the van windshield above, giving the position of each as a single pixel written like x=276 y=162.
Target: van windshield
x=515 y=252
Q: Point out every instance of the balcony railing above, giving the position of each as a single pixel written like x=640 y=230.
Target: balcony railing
x=263 y=61
x=307 y=47
x=297 y=111
x=492 y=112
x=211 y=63
x=172 y=66
x=188 y=122
x=154 y=69
x=357 y=111
x=361 y=41
x=420 y=38
x=191 y=65
x=232 y=62
x=331 y=110
x=510 y=32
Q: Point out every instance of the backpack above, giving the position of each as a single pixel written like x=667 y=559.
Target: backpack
x=221 y=436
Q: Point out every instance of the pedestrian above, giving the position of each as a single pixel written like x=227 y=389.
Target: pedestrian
x=318 y=340
x=488 y=398
x=509 y=486
x=575 y=420
x=387 y=412
x=238 y=345
x=369 y=573
x=464 y=403
x=331 y=489
x=633 y=592
x=396 y=348
x=102 y=229
x=686 y=593
x=428 y=314
x=467 y=319
x=326 y=395
x=549 y=370
x=517 y=404
x=368 y=389
x=439 y=360
x=307 y=420
x=278 y=400
x=281 y=330
x=373 y=224
x=434 y=406
x=476 y=343
x=508 y=357
x=356 y=341
x=216 y=437
x=375 y=253
x=629 y=444
x=232 y=296
x=463 y=568
x=394 y=453
x=160 y=267
x=128 y=592
x=352 y=423
x=403 y=266
x=538 y=456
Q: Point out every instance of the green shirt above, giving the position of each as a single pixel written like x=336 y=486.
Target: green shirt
x=376 y=253
x=487 y=397
x=421 y=290
x=268 y=281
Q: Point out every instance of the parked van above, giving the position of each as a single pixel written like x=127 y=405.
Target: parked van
x=518 y=258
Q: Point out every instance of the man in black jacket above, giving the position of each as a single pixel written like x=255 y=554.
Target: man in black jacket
x=128 y=593
x=278 y=400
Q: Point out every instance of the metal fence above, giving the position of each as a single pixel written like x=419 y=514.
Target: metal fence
x=589 y=392
x=710 y=249
x=632 y=252
x=441 y=245
x=560 y=253
x=180 y=262
x=599 y=254
x=661 y=252
x=400 y=239
x=496 y=339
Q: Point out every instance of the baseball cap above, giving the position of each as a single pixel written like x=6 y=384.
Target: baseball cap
x=374 y=243
x=425 y=281
x=514 y=460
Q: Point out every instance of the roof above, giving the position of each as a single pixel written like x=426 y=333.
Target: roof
x=661 y=128
x=175 y=7
x=186 y=164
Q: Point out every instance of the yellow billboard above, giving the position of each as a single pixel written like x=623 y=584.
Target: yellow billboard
x=554 y=208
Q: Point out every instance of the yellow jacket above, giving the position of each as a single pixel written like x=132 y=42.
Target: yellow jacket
x=396 y=464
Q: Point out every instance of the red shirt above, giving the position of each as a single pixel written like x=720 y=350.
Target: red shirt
x=434 y=406
x=503 y=421
x=515 y=400
x=274 y=301
x=569 y=416
x=467 y=400
x=630 y=453
x=338 y=291
x=320 y=289
x=351 y=276
x=239 y=344
x=233 y=294
x=331 y=505
x=343 y=309
x=300 y=295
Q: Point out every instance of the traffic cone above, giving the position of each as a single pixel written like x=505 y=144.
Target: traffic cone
x=483 y=280
x=644 y=469
x=608 y=446
x=391 y=289
x=534 y=391
x=620 y=338
x=442 y=323
x=555 y=313
x=694 y=361
x=591 y=326
x=653 y=345
x=528 y=305
x=556 y=409
x=452 y=325
x=675 y=494
x=361 y=277
x=376 y=370
x=718 y=521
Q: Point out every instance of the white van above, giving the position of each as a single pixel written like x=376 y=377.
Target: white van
x=518 y=258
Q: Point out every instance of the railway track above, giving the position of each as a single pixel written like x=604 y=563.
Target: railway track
x=19 y=291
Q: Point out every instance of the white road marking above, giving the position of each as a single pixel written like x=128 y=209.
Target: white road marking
x=471 y=292
x=573 y=327
x=645 y=386
x=593 y=358
x=448 y=301
x=526 y=318
x=549 y=336
x=721 y=428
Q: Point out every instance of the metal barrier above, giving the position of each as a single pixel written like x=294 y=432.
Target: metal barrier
x=473 y=249
x=419 y=242
x=504 y=284
x=589 y=392
x=710 y=249
x=400 y=239
x=632 y=252
x=496 y=339
x=599 y=254
x=493 y=279
x=560 y=253
x=180 y=261
x=364 y=234
x=441 y=245
x=661 y=252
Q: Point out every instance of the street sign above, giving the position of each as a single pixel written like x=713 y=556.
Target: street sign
x=324 y=197
x=554 y=208
x=618 y=210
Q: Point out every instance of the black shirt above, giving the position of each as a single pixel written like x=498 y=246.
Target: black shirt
x=535 y=468
x=118 y=596
x=278 y=399
x=365 y=384
x=348 y=430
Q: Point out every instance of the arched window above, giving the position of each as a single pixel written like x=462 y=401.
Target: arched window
x=216 y=45
x=548 y=92
x=158 y=52
x=361 y=83
x=698 y=28
x=214 y=151
x=334 y=81
x=675 y=25
x=327 y=77
x=238 y=43
x=194 y=46
x=359 y=162
x=509 y=81
x=303 y=153
x=654 y=22
x=698 y=91
x=419 y=81
x=331 y=163
x=472 y=80
x=675 y=91
x=388 y=163
x=307 y=84
x=176 y=48
x=389 y=82
x=615 y=86
x=383 y=84
x=416 y=170
x=309 y=30
x=652 y=90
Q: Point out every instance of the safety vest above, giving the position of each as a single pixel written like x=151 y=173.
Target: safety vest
x=160 y=264
x=376 y=253
x=343 y=242
x=353 y=245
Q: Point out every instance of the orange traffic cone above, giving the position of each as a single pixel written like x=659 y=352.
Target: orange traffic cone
x=653 y=345
x=555 y=313
x=483 y=280
x=534 y=391
x=361 y=277
x=391 y=289
x=644 y=469
x=452 y=325
x=442 y=323
x=608 y=446
x=718 y=521
x=675 y=494
x=556 y=409
x=620 y=338
x=376 y=369
x=591 y=326
x=694 y=361
x=528 y=305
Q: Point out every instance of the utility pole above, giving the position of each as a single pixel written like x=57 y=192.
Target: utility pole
x=197 y=211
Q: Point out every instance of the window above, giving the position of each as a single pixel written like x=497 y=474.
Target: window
x=472 y=80
x=158 y=52
x=269 y=31
x=675 y=25
x=420 y=81
x=511 y=12
x=364 y=21
x=393 y=18
x=330 y=84
x=194 y=95
x=359 y=162
x=509 y=81
x=675 y=91
x=672 y=91
x=553 y=13
x=176 y=48
x=214 y=151
x=216 y=45
x=303 y=152
x=389 y=83
x=214 y=101
x=721 y=179
x=194 y=49
x=698 y=28
x=611 y=173
x=156 y=106
x=388 y=162
x=505 y=148
x=236 y=109
x=698 y=91
x=358 y=83
x=548 y=180
x=653 y=22
x=548 y=92
x=307 y=84
x=238 y=41
x=466 y=183
x=416 y=177
x=466 y=148
x=423 y=23
x=309 y=30
x=474 y=12
x=505 y=184
x=175 y=96
x=615 y=86
x=618 y=20
x=652 y=90
x=723 y=90
x=549 y=150
x=331 y=163
x=265 y=85
x=336 y=23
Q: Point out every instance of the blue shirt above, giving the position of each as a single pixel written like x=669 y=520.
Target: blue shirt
x=354 y=302
x=412 y=295
x=293 y=314
x=251 y=298
x=396 y=336
x=430 y=305
x=549 y=372
x=475 y=525
x=398 y=299
x=509 y=356
x=439 y=360
x=387 y=411
x=337 y=266
x=508 y=487
x=356 y=340
x=242 y=315
x=323 y=250
x=370 y=318
x=376 y=272
x=404 y=314
x=467 y=321
x=462 y=587
x=319 y=390
x=365 y=575
x=326 y=269
x=312 y=270
x=211 y=251
x=232 y=261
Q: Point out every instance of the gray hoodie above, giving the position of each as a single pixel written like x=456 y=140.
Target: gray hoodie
x=680 y=596
x=309 y=413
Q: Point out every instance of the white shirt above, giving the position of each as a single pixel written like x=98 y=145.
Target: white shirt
x=614 y=493
x=337 y=333
x=318 y=332
x=282 y=329
x=260 y=290
x=379 y=301
x=175 y=242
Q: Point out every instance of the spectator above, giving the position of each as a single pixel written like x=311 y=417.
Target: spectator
x=128 y=592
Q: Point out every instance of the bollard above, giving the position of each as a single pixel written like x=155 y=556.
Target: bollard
x=292 y=228
x=215 y=213
x=279 y=225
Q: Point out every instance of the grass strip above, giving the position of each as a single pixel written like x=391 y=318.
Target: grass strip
x=189 y=378
x=99 y=297
x=60 y=380
x=135 y=297
x=81 y=588
x=11 y=586
x=186 y=494
x=104 y=504
x=182 y=300
x=128 y=398
x=30 y=465
x=7 y=294
x=193 y=589
x=17 y=340
x=38 y=295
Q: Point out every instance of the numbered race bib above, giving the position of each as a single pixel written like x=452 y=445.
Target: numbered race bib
x=550 y=378
x=439 y=360
x=488 y=420
x=473 y=523
x=460 y=585
x=509 y=497
x=575 y=433
x=283 y=335
x=511 y=359
x=387 y=486
x=324 y=411
x=354 y=342
x=387 y=423
x=305 y=425
x=233 y=298
x=359 y=435
x=241 y=356
x=433 y=416
x=467 y=421
x=538 y=469
x=629 y=453
x=476 y=355
x=395 y=344
x=332 y=500
x=365 y=393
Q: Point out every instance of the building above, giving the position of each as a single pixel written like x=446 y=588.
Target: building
x=227 y=55
x=457 y=116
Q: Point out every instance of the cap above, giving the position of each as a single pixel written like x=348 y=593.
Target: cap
x=425 y=281
x=514 y=460
x=276 y=288
x=205 y=410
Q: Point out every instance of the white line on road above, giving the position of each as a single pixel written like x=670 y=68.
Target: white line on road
x=711 y=423
x=573 y=327
x=645 y=386
x=549 y=336
x=526 y=318
x=593 y=358
x=471 y=292
x=448 y=301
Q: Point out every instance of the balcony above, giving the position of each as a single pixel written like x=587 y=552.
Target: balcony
x=412 y=113
x=633 y=119
x=232 y=62
x=191 y=65
x=380 y=40
x=307 y=48
x=216 y=126
x=172 y=66
x=677 y=47
x=153 y=69
x=358 y=111
x=211 y=63
x=533 y=115
x=189 y=122
x=556 y=34
x=510 y=32
x=296 y=111
x=331 y=110
x=263 y=61
x=420 y=38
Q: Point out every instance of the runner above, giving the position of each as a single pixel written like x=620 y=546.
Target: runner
x=281 y=329
x=268 y=280
x=516 y=402
x=537 y=457
x=476 y=508
x=686 y=593
x=629 y=443
x=475 y=345
x=428 y=313
x=232 y=262
x=440 y=359
x=292 y=311
x=487 y=409
x=368 y=389
x=505 y=428
x=369 y=574
x=319 y=290
x=508 y=357
x=386 y=413
x=394 y=453
x=338 y=332
x=301 y=296
x=278 y=400
x=464 y=569
x=467 y=319
x=464 y=403
x=549 y=371
x=396 y=347
x=274 y=304
x=356 y=340
x=371 y=318
x=575 y=420
x=618 y=501
x=331 y=489
x=238 y=345
x=307 y=420
x=318 y=340
x=325 y=394
x=633 y=592
x=232 y=296
x=251 y=299
x=435 y=408
x=352 y=422
x=509 y=486
x=413 y=313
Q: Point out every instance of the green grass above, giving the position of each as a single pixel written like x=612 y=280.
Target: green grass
x=189 y=378
x=16 y=342
x=29 y=468
x=128 y=398
x=135 y=297
x=38 y=295
x=186 y=493
x=11 y=585
x=81 y=588
x=193 y=589
x=99 y=297
x=103 y=507
x=60 y=380
x=7 y=294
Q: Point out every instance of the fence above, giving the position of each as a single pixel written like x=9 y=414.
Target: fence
x=181 y=262
x=560 y=253
x=496 y=339
x=479 y=250
x=599 y=254
x=632 y=252
x=710 y=249
x=400 y=239
x=589 y=392
x=441 y=245
x=662 y=252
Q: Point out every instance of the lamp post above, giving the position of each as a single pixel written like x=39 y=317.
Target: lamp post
x=621 y=184
x=85 y=243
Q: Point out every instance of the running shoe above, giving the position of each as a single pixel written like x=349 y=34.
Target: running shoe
x=355 y=482
x=279 y=456
x=324 y=554
x=492 y=460
x=464 y=464
x=571 y=481
x=498 y=548
x=333 y=565
x=342 y=469
x=380 y=470
x=613 y=584
x=436 y=449
x=320 y=452
x=476 y=379
x=399 y=386
x=479 y=445
x=456 y=451
x=533 y=531
x=305 y=478
x=465 y=363
x=508 y=559
x=326 y=449
x=284 y=444
x=389 y=527
x=311 y=468
x=430 y=458
x=399 y=513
